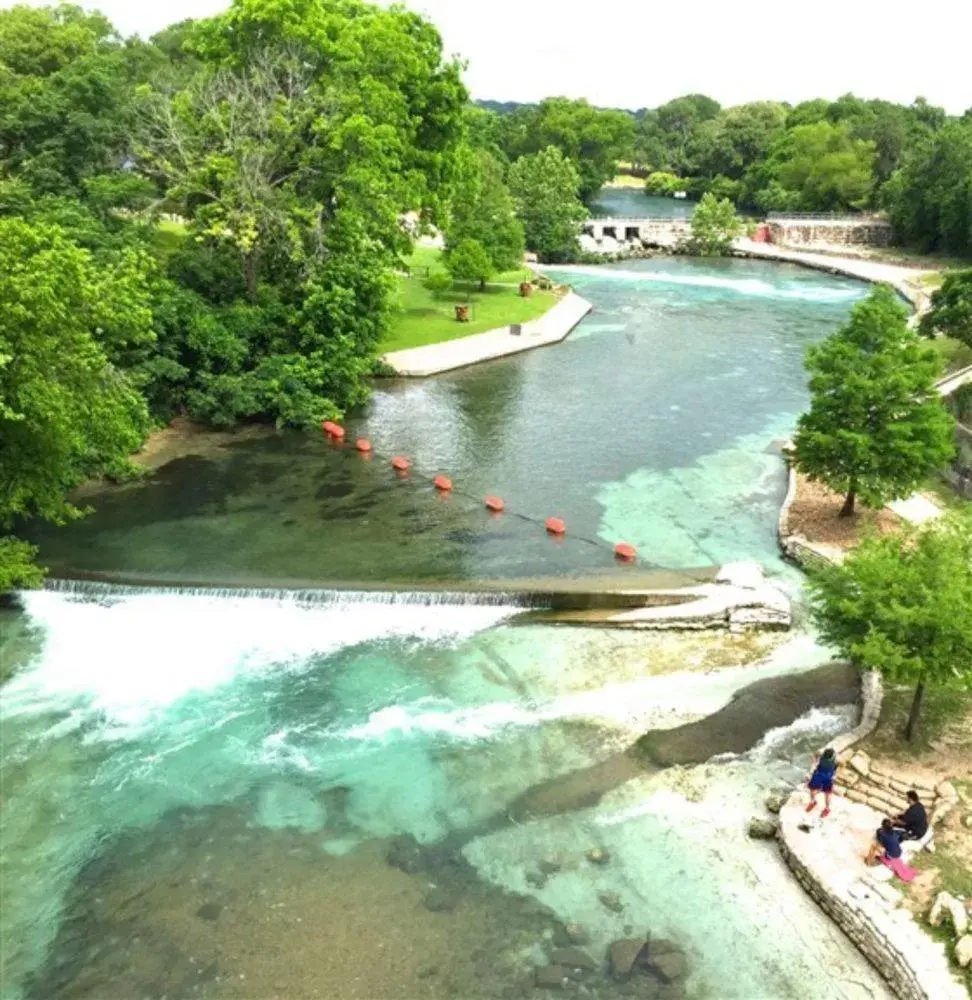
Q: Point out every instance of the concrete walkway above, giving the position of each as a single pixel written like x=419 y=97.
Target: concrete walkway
x=902 y=278
x=551 y=328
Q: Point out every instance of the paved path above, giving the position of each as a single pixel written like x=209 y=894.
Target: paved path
x=902 y=278
x=551 y=328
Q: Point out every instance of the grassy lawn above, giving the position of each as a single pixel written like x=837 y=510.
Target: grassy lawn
x=627 y=181
x=954 y=353
x=422 y=319
x=169 y=236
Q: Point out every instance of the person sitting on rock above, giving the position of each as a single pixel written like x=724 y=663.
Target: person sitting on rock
x=887 y=844
x=822 y=780
x=912 y=824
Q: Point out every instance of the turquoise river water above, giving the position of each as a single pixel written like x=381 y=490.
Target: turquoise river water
x=264 y=794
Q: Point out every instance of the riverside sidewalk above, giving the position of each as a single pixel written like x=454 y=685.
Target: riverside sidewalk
x=551 y=328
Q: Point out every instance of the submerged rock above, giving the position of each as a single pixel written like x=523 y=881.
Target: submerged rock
x=284 y=806
x=552 y=976
x=670 y=966
x=209 y=911
x=611 y=900
x=598 y=856
x=762 y=829
x=536 y=879
x=550 y=865
x=573 y=958
x=625 y=953
x=439 y=900
x=577 y=933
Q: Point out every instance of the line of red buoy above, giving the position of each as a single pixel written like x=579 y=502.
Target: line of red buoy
x=554 y=525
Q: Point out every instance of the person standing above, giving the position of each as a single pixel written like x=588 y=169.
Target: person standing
x=822 y=780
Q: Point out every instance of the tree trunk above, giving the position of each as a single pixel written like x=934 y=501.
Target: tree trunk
x=482 y=284
x=848 y=509
x=251 y=274
x=915 y=711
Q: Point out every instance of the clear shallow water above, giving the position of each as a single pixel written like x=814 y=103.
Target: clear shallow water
x=194 y=787
x=657 y=422
x=633 y=203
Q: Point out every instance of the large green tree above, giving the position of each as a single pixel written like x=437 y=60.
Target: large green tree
x=929 y=199
x=66 y=413
x=876 y=423
x=951 y=308
x=815 y=168
x=546 y=188
x=482 y=209
x=715 y=225
x=901 y=604
x=594 y=139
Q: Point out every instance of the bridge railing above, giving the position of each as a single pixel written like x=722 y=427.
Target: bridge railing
x=647 y=221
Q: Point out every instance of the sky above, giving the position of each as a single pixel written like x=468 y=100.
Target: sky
x=641 y=53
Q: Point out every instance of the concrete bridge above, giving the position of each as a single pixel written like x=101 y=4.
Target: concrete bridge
x=612 y=234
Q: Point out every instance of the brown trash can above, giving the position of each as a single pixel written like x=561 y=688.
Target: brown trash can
x=462 y=314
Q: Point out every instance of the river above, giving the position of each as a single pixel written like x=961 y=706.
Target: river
x=257 y=794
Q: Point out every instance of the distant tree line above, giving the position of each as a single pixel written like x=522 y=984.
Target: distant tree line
x=912 y=161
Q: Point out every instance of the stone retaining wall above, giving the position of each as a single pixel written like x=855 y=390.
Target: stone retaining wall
x=795 y=547
x=913 y=964
x=831 y=234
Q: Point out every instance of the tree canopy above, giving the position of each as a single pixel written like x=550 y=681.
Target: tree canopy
x=546 y=189
x=901 y=604
x=876 y=424
x=951 y=308
x=715 y=225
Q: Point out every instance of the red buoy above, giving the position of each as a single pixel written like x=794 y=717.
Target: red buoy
x=494 y=503
x=400 y=463
x=443 y=483
x=328 y=426
x=363 y=445
x=556 y=526
x=337 y=432
x=625 y=552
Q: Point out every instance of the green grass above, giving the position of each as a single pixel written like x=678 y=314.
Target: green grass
x=941 y=710
x=422 y=319
x=943 y=494
x=954 y=353
x=169 y=236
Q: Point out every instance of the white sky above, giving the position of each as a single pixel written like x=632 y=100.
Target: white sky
x=640 y=53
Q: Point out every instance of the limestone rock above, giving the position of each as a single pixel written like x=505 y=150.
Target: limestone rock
x=406 y=854
x=747 y=575
x=946 y=905
x=284 y=806
x=598 y=856
x=552 y=977
x=577 y=933
x=670 y=966
x=861 y=763
x=762 y=829
x=775 y=802
x=963 y=951
x=536 y=879
x=573 y=958
x=947 y=791
x=625 y=953
x=661 y=946
x=611 y=900
x=968 y=821
x=438 y=900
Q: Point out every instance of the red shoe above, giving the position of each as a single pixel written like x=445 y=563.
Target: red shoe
x=811 y=807
x=825 y=814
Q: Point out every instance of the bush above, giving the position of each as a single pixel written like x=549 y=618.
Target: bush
x=663 y=184
x=439 y=283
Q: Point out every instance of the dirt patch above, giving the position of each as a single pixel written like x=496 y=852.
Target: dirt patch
x=182 y=437
x=815 y=515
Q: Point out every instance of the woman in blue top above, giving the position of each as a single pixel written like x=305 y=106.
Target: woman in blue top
x=822 y=780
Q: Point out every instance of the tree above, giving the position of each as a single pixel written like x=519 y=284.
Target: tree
x=902 y=604
x=715 y=225
x=66 y=413
x=470 y=261
x=951 y=308
x=876 y=423
x=663 y=185
x=816 y=168
x=735 y=139
x=438 y=283
x=929 y=200
x=482 y=210
x=594 y=139
x=545 y=189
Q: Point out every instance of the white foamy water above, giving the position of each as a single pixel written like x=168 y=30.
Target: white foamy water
x=804 y=291
x=133 y=656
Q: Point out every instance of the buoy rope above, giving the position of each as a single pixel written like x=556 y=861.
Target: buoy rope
x=413 y=470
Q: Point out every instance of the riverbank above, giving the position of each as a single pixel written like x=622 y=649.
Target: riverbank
x=435 y=358
x=423 y=318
